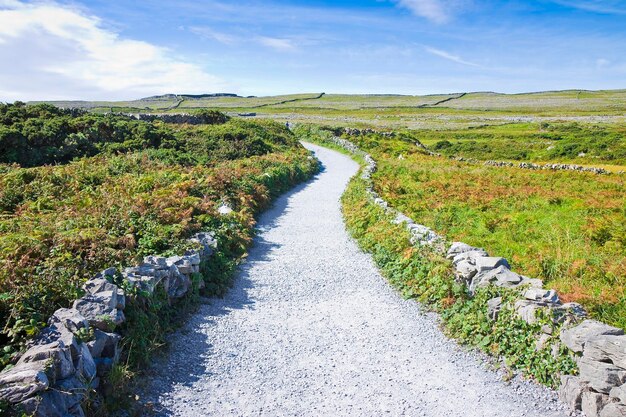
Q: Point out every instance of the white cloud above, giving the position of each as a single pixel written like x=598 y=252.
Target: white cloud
x=279 y=44
x=59 y=52
x=433 y=10
x=449 y=56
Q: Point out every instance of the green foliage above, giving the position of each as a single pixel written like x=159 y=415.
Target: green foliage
x=61 y=224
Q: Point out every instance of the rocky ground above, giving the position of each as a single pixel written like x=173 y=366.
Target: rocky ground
x=312 y=328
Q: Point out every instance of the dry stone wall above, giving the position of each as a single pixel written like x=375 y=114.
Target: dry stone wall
x=599 y=349
x=79 y=346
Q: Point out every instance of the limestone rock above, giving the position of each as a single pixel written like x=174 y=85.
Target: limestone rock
x=470 y=256
x=55 y=355
x=607 y=348
x=576 y=337
x=600 y=376
x=100 y=310
x=69 y=318
x=465 y=271
x=459 y=247
x=613 y=410
x=571 y=391
x=85 y=365
x=619 y=393
x=539 y=294
x=501 y=276
x=487 y=263
x=593 y=403
x=23 y=381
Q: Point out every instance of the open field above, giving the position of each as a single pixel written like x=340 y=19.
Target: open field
x=566 y=228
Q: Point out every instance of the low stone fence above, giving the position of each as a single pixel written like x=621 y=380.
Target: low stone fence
x=600 y=350
x=79 y=346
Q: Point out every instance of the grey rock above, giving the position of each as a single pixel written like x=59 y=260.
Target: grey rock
x=104 y=345
x=571 y=391
x=55 y=355
x=98 y=311
x=493 y=307
x=465 y=271
x=527 y=310
x=576 y=337
x=539 y=294
x=613 y=410
x=96 y=285
x=85 y=365
x=69 y=318
x=607 y=348
x=593 y=403
x=600 y=376
x=459 y=247
x=470 y=256
x=157 y=261
x=501 y=276
x=618 y=393
x=58 y=332
x=487 y=263
x=193 y=257
x=23 y=381
x=109 y=272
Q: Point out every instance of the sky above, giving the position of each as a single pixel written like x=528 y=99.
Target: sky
x=121 y=50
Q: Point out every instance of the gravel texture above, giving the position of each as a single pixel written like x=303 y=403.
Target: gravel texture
x=311 y=328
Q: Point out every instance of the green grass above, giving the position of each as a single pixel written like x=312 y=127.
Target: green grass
x=60 y=224
x=566 y=228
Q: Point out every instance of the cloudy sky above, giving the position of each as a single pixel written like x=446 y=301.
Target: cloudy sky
x=116 y=49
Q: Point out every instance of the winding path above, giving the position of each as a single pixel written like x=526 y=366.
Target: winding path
x=311 y=328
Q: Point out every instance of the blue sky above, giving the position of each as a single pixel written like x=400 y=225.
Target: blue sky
x=114 y=49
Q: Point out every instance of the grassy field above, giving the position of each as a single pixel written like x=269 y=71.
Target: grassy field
x=139 y=188
x=566 y=228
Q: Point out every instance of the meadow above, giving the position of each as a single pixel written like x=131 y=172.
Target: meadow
x=564 y=227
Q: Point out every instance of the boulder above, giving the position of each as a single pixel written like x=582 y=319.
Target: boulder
x=539 y=294
x=571 y=391
x=23 y=381
x=607 y=348
x=193 y=257
x=593 y=403
x=487 y=263
x=576 y=337
x=600 y=376
x=100 y=310
x=60 y=333
x=500 y=277
x=613 y=410
x=55 y=356
x=61 y=402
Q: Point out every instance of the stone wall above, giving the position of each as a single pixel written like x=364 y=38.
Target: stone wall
x=79 y=346
x=600 y=350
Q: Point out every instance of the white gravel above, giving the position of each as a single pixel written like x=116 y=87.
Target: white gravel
x=311 y=328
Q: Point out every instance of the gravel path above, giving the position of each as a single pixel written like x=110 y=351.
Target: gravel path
x=311 y=328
